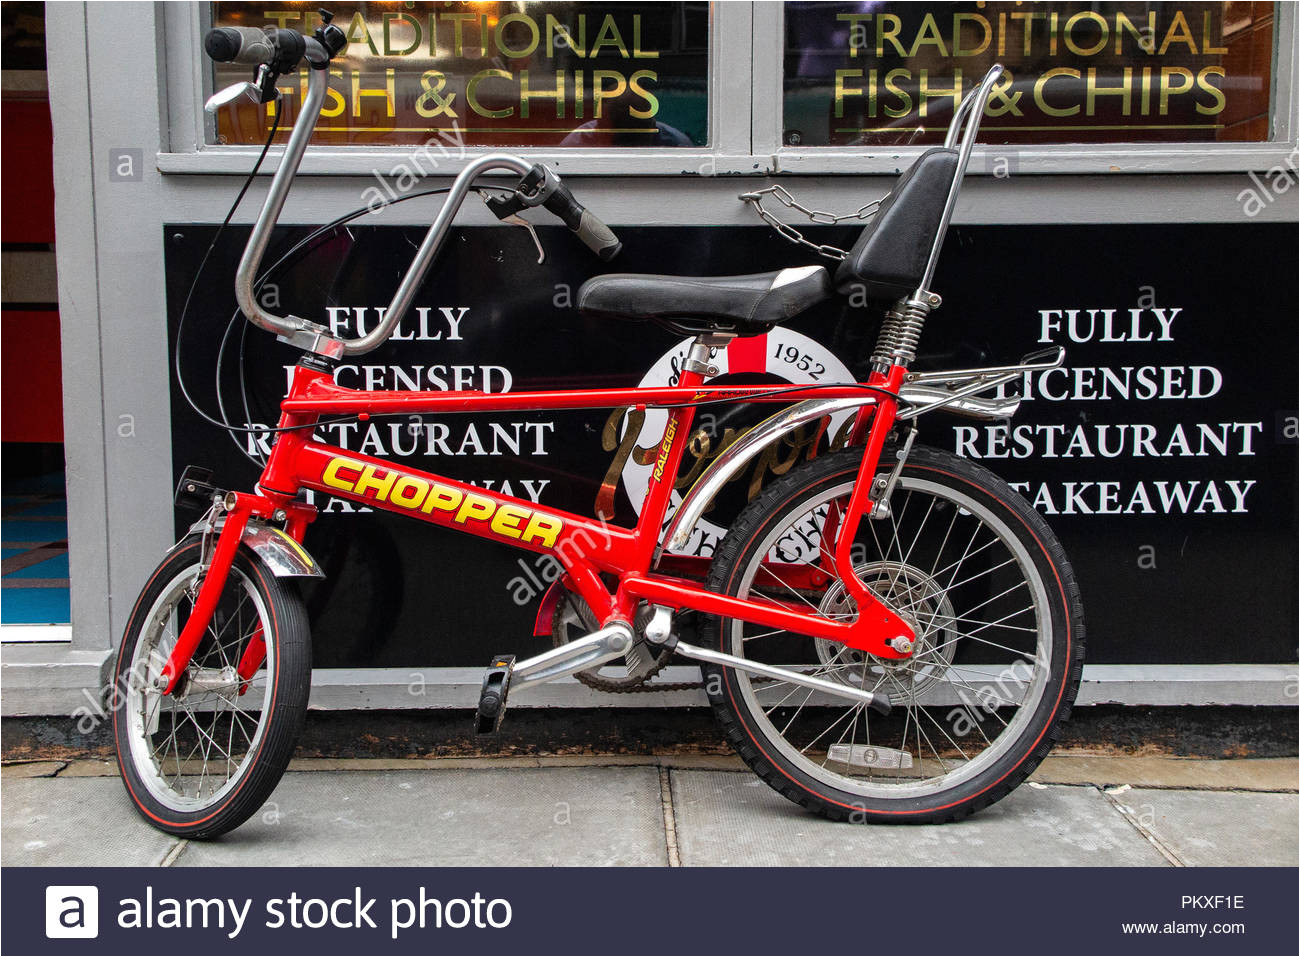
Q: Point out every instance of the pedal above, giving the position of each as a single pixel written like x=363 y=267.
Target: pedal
x=195 y=490
x=492 y=699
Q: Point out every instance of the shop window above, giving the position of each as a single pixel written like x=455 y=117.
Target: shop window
x=890 y=73
x=581 y=75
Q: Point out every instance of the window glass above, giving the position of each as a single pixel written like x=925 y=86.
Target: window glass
x=890 y=73
x=494 y=74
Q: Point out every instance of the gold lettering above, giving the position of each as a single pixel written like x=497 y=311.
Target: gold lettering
x=1125 y=90
x=841 y=91
x=471 y=93
x=388 y=92
x=1179 y=32
x=526 y=94
x=534 y=37
x=388 y=20
x=958 y=21
x=1167 y=89
x=635 y=84
x=599 y=94
x=608 y=35
x=1102 y=25
x=1042 y=82
x=637 y=52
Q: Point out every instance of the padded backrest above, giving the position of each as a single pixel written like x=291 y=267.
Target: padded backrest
x=890 y=256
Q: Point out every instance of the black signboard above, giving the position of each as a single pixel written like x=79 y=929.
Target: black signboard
x=1164 y=455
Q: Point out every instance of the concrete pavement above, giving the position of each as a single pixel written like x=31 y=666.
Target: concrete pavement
x=647 y=811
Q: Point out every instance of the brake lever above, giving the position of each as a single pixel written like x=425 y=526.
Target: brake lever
x=514 y=219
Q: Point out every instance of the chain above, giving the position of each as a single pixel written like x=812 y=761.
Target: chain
x=788 y=232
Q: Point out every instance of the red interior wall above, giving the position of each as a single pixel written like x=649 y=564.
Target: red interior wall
x=32 y=401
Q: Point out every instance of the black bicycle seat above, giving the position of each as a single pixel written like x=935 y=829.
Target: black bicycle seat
x=743 y=305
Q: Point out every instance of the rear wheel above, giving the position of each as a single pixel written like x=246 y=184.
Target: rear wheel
x=999 y=642
x=200 y=761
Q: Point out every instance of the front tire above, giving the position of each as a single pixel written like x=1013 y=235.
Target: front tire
x=999 y=625
x=199 y=762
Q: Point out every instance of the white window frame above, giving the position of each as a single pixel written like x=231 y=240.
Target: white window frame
x=747 y=54
x=1110 y=158
x=189 y=83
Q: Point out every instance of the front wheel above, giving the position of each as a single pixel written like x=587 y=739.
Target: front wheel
x=992 y=599
x=200 y=761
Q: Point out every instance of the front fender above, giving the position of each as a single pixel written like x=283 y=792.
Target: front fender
x=283 y=555
x=735 y=457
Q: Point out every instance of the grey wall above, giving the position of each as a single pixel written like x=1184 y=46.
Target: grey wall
x=111 y=290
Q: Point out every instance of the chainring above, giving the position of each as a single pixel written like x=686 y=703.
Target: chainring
x=573 y=619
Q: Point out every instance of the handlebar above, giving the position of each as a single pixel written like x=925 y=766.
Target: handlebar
x=280 y=51
x=600 y=239
x=239 y=45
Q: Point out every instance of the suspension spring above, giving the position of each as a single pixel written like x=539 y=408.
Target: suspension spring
x=900 y=333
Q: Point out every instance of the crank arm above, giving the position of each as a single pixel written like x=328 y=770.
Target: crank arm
x=878 y=703
x=590 y=651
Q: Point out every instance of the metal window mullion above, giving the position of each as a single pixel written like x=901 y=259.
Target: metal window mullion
x=767 y=105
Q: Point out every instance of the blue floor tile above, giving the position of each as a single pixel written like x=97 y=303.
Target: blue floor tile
x=55 y=509
x=54 y=567
x=15 y=530
x=35 y=606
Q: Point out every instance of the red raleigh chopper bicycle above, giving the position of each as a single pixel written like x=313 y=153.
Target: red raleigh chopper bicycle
x=886 y=633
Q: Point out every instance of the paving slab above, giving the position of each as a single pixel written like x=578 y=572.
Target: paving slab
x=33 y=769
x=484 y=817
x=1220 y=829
x=1163 y=771
x=735 y=819
x=75 y=822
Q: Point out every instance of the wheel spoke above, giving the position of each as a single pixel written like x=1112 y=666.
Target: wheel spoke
x=962 y=580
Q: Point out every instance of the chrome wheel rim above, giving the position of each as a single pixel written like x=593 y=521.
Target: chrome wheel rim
x=950 y=743
x=193 y=748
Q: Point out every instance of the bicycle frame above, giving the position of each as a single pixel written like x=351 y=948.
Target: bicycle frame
x=586 y=548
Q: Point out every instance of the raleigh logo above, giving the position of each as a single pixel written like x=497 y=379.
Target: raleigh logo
x=415 y=494
x=664 y=448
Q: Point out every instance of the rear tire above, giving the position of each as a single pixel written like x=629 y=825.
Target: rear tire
x=999 y=624
x=199 y=762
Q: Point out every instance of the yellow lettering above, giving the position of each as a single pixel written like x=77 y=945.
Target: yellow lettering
x=331 y=475
x=652 y=102
x=408 y=492
x=599 y=94
x=388 y=92
x=442 y=498
x=475 y=506
x=506 y=520
x=543 y=528
x=1179 y=32
x=1168 y=89
x=367 y=482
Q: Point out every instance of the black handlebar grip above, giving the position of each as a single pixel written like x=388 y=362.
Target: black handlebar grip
x=239 y=45
x=600 y=239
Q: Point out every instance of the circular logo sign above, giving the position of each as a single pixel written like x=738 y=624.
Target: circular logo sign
x=782 y=353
